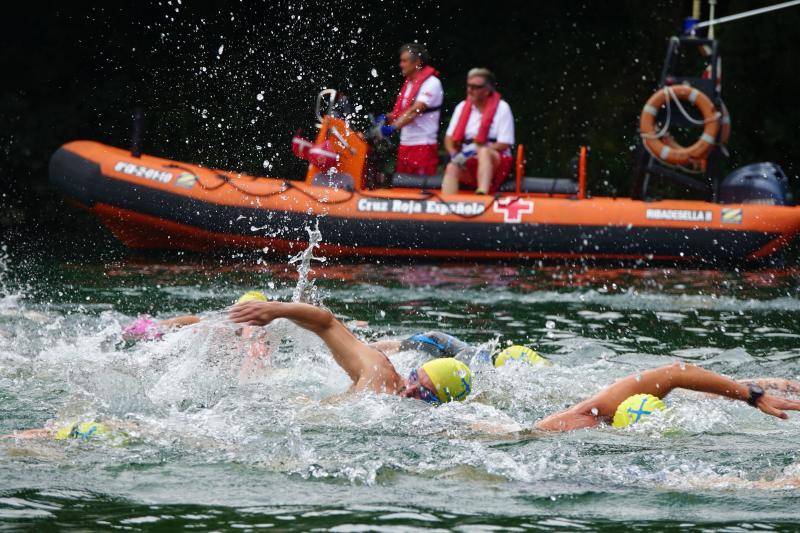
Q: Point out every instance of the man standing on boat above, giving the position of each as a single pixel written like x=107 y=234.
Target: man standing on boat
x=479 y=138
x=416 y=113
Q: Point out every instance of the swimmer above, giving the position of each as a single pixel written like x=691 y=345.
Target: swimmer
x=254 y=343
x=600 y=408
x=438 y=381
x=438 y=344
x=146 y=328
x=82 y=431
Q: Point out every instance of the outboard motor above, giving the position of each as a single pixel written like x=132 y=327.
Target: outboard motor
x=759 y=183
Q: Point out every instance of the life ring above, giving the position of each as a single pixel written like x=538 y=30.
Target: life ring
x=670 y=151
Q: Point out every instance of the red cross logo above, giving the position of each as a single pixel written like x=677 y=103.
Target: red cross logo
x=513 y=208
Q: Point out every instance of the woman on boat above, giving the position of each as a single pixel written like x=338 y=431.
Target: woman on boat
x=479 y=138
x=448 y=379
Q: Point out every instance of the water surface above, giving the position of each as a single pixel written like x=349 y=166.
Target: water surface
x=207 y=450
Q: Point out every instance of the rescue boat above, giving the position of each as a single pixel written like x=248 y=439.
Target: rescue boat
x=151 y=202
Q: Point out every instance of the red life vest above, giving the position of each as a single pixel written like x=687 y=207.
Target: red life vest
x=487 y=117
x=402 y=103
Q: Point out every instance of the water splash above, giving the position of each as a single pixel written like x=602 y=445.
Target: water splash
x=306 y=290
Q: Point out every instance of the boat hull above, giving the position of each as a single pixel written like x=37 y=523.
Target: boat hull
x=154 y=203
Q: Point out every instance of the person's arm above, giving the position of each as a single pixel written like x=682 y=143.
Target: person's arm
x=782 y=385
x=351 y=354
x=179 y=321
x=505 y=128
x=410 y=115
x=659 y=382
x=37 y=433
x=500 y=147
x=450 y=145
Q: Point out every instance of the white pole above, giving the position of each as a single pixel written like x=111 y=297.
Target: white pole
x=711 y=5
x=747 y=13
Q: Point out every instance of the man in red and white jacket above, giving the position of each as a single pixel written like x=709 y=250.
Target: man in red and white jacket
x=479 y=138
x=416 y=113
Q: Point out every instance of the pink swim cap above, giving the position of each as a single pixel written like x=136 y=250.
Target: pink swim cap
x=142 y=329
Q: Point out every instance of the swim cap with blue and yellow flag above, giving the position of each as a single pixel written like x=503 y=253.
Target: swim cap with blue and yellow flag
x=520 y=353
x=451 y=378
x=251 y=296
x=636 y=408
x=83 y=431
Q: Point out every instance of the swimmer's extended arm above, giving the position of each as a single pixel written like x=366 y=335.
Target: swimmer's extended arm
x=350 y=353
x=37 y=433
x=659 y=382
x=179 y=321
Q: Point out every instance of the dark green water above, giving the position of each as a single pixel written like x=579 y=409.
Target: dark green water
x=208 y=452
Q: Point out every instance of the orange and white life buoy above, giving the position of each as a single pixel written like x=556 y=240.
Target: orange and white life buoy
x=660 y=144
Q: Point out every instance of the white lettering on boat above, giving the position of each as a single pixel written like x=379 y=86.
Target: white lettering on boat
x=143 y=172
x=690 y=215
x=418 y=207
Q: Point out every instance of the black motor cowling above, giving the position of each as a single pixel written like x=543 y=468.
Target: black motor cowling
x=759 y=183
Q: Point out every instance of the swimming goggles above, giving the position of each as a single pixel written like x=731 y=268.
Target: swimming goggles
x=425 y=394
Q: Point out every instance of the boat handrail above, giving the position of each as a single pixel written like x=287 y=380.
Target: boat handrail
x=331 y=93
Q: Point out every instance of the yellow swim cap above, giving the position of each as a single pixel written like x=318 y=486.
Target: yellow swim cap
x=636 y=408
x=252 y=296
x=451 y=378
x=83 y=431
x=520 y=353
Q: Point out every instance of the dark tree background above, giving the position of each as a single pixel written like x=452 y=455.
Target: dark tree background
x=226 y=85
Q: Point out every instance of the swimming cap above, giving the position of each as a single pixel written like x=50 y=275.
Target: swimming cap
x=142 y=329
x=83 y=431
x=252 y=296
x=520 y=353
x=451 y=378
x=636 y=408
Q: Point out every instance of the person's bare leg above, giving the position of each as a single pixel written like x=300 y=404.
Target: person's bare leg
x=488 y=161
x=450 y=181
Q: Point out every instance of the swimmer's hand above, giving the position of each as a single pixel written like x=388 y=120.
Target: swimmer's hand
x=775 y=405
x=256 y=313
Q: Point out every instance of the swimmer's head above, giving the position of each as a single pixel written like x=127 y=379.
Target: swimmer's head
x=252 y=296
x=522 y=354
x=142 y=329
x=83 y=431
x=636 y=408
x=440 y=381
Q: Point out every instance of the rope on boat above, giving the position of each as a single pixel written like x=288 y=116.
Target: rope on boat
x=746 y=14
x=286 y=185
x=290 y=185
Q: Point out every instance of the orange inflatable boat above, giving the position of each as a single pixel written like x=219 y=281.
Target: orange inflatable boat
x=155 y=203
